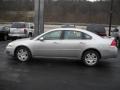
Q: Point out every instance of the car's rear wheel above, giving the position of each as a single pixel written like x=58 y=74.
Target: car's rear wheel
x=23 y=54
x=91 y=58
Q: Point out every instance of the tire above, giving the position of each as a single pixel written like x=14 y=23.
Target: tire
x=5 y=37
x=91 y=58
x=23 y=54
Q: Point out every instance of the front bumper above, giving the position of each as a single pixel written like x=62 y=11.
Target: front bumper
x=17 y=35
x=9 y=51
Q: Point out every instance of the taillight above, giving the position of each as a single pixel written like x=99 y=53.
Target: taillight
x=25 y=31
x=114 y=43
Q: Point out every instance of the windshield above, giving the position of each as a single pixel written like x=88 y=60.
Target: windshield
x=18 y=25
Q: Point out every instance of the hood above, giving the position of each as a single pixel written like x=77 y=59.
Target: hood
x=25 y=39
x=18 y=42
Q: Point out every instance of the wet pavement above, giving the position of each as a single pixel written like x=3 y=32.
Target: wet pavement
x=51 y=74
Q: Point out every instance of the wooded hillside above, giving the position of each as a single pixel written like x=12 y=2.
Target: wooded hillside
x=75 y=11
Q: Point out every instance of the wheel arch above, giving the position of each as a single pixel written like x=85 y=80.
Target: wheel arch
x=89 y=50
x=22 y=46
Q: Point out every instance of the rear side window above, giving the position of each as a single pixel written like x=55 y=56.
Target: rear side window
x=68 y=35
x=86 y=36
x=18 y=25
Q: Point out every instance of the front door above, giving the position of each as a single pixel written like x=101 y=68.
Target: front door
x=50 y=46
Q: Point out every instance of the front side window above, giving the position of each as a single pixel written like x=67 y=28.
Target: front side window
x=75 y=35
x=54 y=35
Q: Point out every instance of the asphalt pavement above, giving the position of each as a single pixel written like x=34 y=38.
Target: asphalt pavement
x=51 y=74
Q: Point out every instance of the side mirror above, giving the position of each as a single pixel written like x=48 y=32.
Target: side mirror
x=41 y=39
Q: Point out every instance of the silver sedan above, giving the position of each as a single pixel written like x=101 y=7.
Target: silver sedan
x=64 y=43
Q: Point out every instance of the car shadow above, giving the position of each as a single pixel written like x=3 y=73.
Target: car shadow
x=42 y=62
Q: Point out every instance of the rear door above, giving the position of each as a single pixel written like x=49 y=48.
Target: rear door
x=74 y=42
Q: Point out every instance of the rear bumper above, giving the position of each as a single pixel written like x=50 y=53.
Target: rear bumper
x=17 y=35
x=112 y=52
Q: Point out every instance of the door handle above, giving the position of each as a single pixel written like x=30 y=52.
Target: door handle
x=82 y=43
x=55 y=42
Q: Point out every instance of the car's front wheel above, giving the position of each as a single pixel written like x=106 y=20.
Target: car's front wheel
x=23 y=54
x=91 y=58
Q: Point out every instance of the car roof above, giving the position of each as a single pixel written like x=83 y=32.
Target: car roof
x=76 y=29
x=67 y=29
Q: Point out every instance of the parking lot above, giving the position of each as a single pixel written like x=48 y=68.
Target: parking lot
x=51 y=74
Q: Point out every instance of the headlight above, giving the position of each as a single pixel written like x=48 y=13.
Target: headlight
x=10 y=45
